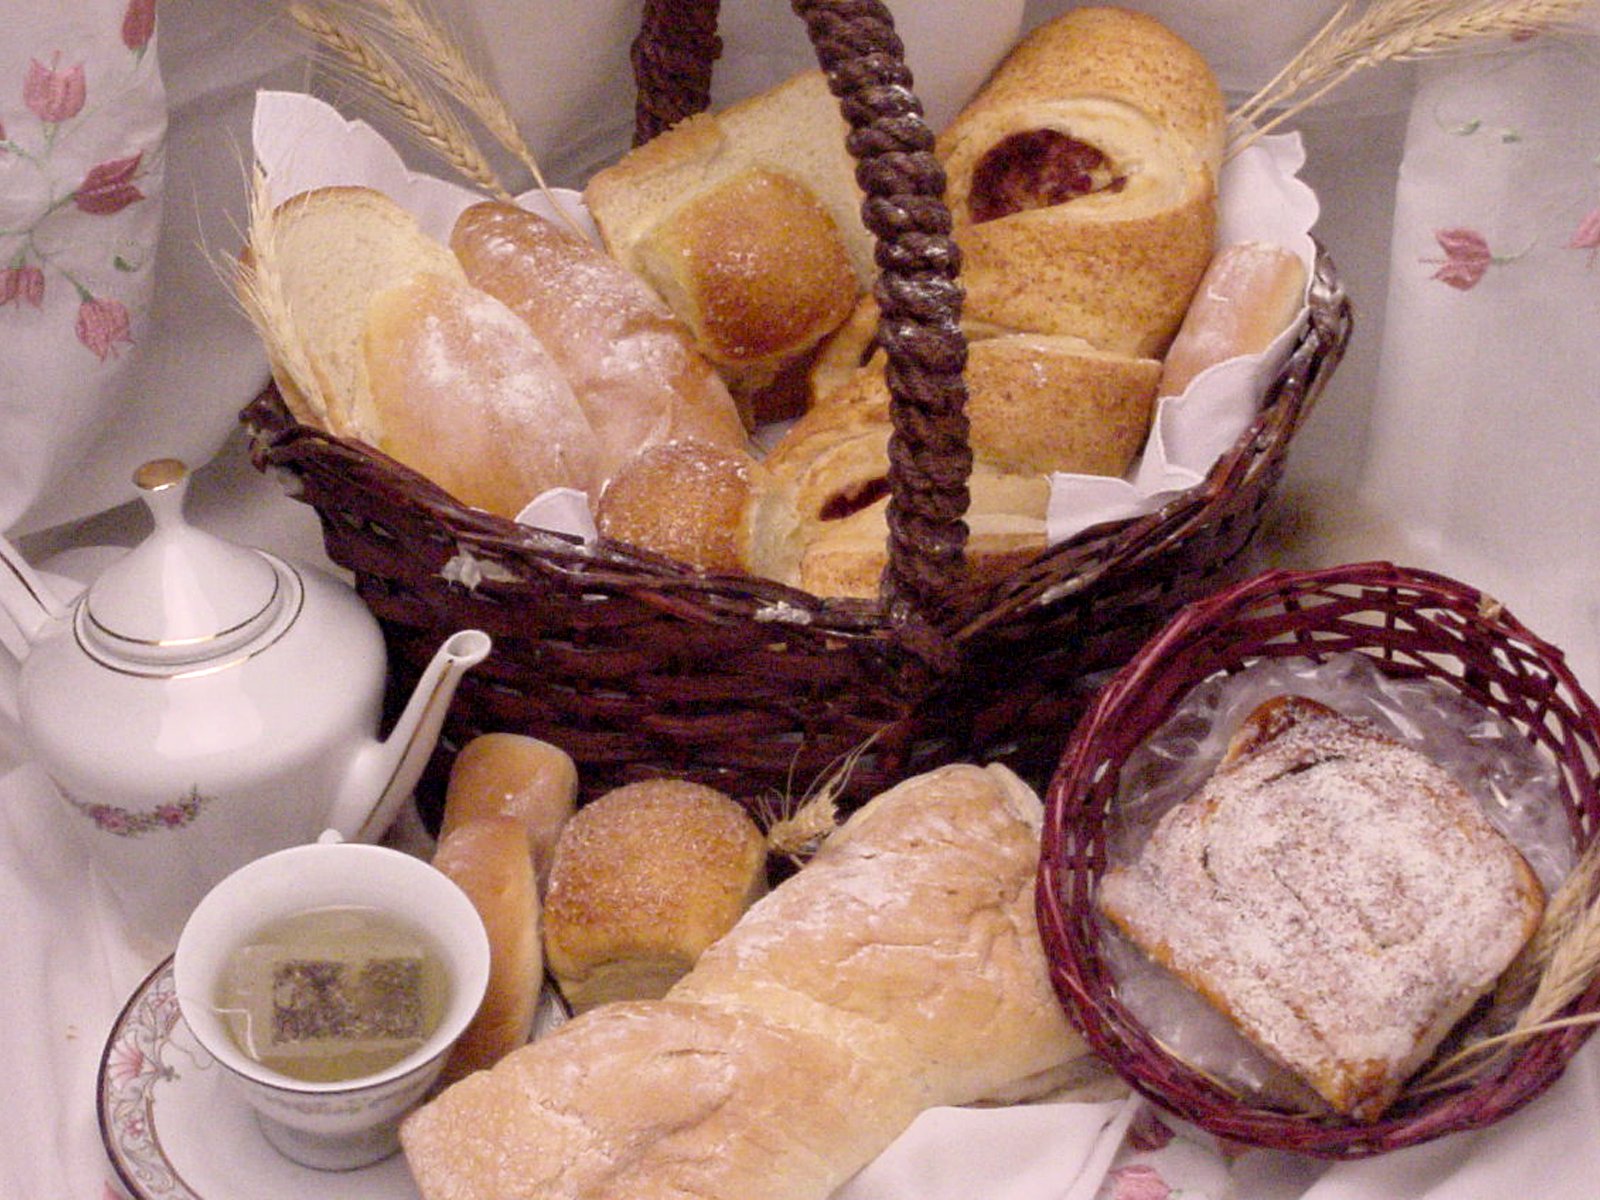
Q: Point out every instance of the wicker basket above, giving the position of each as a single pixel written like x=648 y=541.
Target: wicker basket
x=640 y=666
x=1412 y=624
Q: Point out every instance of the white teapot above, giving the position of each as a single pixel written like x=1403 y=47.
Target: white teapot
x=204 y=703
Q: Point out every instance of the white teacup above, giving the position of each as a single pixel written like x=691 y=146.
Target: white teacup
x=351 y=1123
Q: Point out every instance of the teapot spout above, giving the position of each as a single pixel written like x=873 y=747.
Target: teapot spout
x=27 y=600
x=384 y=773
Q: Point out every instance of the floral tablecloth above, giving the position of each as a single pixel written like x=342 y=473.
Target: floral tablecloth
x=1461 y=201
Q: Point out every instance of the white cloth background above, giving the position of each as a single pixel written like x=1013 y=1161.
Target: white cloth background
x=1460 y=201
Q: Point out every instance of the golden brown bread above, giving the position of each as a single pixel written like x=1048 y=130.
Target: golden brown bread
x=1082 y=182
x=645 y=878
x=900 y=969
x=504 y=774
x=1036 y=405
x=629 y=361
x=460 y=390
x=1249 y=294
x=683 y=499
x=747 y=221
x=1335 y=894
x=488 y=859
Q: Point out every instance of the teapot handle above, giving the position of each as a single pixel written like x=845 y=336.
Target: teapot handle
x=27 y=600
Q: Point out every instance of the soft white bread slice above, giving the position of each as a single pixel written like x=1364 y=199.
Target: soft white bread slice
x=900 y=969
x=1082 y=181
x=630 y=362
x=459 y=389
x=747 y=221
x=1335 y=894
x=488 y=859
x=323 y=254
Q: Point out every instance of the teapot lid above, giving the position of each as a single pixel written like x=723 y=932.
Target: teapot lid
x=181 y=596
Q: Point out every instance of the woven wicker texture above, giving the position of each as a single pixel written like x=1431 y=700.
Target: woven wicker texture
x=1413 y=624
x=640 y=667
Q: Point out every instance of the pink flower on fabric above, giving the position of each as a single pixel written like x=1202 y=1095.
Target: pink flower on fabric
x=1467 y=257
x=1138 y=1182
x=1587 y=235
x=138 y=24
x=108 y=187
x=51 y=94
x=22 y=285
x=103 y=326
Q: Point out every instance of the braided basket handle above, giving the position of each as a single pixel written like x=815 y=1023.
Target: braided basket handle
x=917 y=290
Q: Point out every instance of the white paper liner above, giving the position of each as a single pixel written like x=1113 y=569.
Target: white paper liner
x=303 y=143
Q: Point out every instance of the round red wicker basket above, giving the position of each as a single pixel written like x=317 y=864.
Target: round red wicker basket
x=1410 y=624
x=639 y=666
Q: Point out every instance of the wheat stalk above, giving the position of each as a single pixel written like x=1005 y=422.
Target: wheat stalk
x=443 y=56
x=1385 y=31
x=259 y=285
x=379 y=71
x=797 y=835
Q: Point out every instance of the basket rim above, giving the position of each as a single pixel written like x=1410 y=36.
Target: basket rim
x=1080 y=976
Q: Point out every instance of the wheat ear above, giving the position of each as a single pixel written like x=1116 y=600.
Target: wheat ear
x=1382 y=32
x=797 y=835
x=431 y=123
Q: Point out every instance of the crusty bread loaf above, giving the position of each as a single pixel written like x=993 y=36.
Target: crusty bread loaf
x=1335 y=894
x=513 y=775
x=645 y=878
x=629 y=361
x=1036 y=405
x=747 y=220
x=460 y=390
x=316 y=260
x=683 y=499
x=1249 y=294
x=1082 y=182
x=488 y=859
x=900 y=969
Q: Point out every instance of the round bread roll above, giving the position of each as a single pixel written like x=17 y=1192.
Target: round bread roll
x=513 y=775
x=684 y=499
x=488 y=859
x=645 y=878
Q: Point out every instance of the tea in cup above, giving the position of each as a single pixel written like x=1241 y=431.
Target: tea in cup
x=330 y=982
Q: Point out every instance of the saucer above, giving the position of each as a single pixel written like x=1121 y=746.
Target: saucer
x=174 y=1129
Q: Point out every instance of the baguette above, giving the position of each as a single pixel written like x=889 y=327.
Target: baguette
x=629 y=361
x=900 y=969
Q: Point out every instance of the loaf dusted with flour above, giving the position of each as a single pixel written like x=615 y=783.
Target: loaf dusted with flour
x=1335 y=894
x=900 y=969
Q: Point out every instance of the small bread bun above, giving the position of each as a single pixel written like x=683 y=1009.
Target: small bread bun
x=683 y=499
x=631 y=363
x=488 y=859
x=1249 y=294
x=645 y=878
x=461 y=391
x=513 y=775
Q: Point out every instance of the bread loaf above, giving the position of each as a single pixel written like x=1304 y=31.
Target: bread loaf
x=747 y=221
x=629 y=361
x=1335 y=894
x=1250 y=293
x=488 y=859
x=1035 y=405
x=1082 y=182
x=900 y=969
x=645 y=878
x=513 y=775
